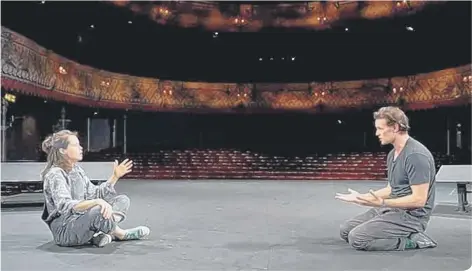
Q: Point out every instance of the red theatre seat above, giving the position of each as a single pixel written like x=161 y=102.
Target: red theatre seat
x=233 y=164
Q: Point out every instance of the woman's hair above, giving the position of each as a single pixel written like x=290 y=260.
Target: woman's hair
x=51 y=146
x=393 y=115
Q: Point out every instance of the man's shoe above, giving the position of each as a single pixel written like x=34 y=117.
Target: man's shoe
x=422 y=240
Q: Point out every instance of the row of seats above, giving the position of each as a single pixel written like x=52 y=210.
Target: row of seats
x=226 y=153
x=234 y=164
x=204 y=176
x=338 y=167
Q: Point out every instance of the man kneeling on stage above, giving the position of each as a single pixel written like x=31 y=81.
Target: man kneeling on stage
x=401 y=210
x=77 y=211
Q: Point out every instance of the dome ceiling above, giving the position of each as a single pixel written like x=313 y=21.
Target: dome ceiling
x=248 y=16
x=406 y=38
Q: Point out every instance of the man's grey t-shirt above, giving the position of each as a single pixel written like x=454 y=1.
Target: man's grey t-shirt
x=414 y=165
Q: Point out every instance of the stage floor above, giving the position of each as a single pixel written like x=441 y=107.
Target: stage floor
x=235 y=225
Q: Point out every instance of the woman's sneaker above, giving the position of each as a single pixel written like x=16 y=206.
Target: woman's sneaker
x=137 y=233
x=101 y=239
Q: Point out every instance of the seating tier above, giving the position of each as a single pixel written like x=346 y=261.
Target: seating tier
x=234 y=164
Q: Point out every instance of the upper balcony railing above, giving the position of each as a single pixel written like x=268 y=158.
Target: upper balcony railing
x=32 y=69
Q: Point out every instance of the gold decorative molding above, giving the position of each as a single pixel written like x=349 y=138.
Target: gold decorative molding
x=222 y=16
x=32 y=69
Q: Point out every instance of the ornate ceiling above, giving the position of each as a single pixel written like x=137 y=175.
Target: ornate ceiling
x=34 y=70
x=114 y=38
x=249 y=17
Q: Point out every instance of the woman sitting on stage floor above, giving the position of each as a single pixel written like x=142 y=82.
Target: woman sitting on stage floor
x=77 y=211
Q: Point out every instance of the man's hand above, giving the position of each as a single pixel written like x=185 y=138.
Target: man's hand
x=119 y=170
x=105 y=207
x=370 y=199
x=351 y=197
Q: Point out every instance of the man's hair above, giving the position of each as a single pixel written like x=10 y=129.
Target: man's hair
x=393 y=115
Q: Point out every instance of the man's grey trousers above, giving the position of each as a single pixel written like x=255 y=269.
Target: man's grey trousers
x=381 y=229
x=78 y=229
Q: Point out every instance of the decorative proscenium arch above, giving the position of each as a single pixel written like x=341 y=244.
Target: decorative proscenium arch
x=31 y=69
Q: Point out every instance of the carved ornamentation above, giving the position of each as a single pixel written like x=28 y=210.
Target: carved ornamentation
x=31 y=69
x=220 y=16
